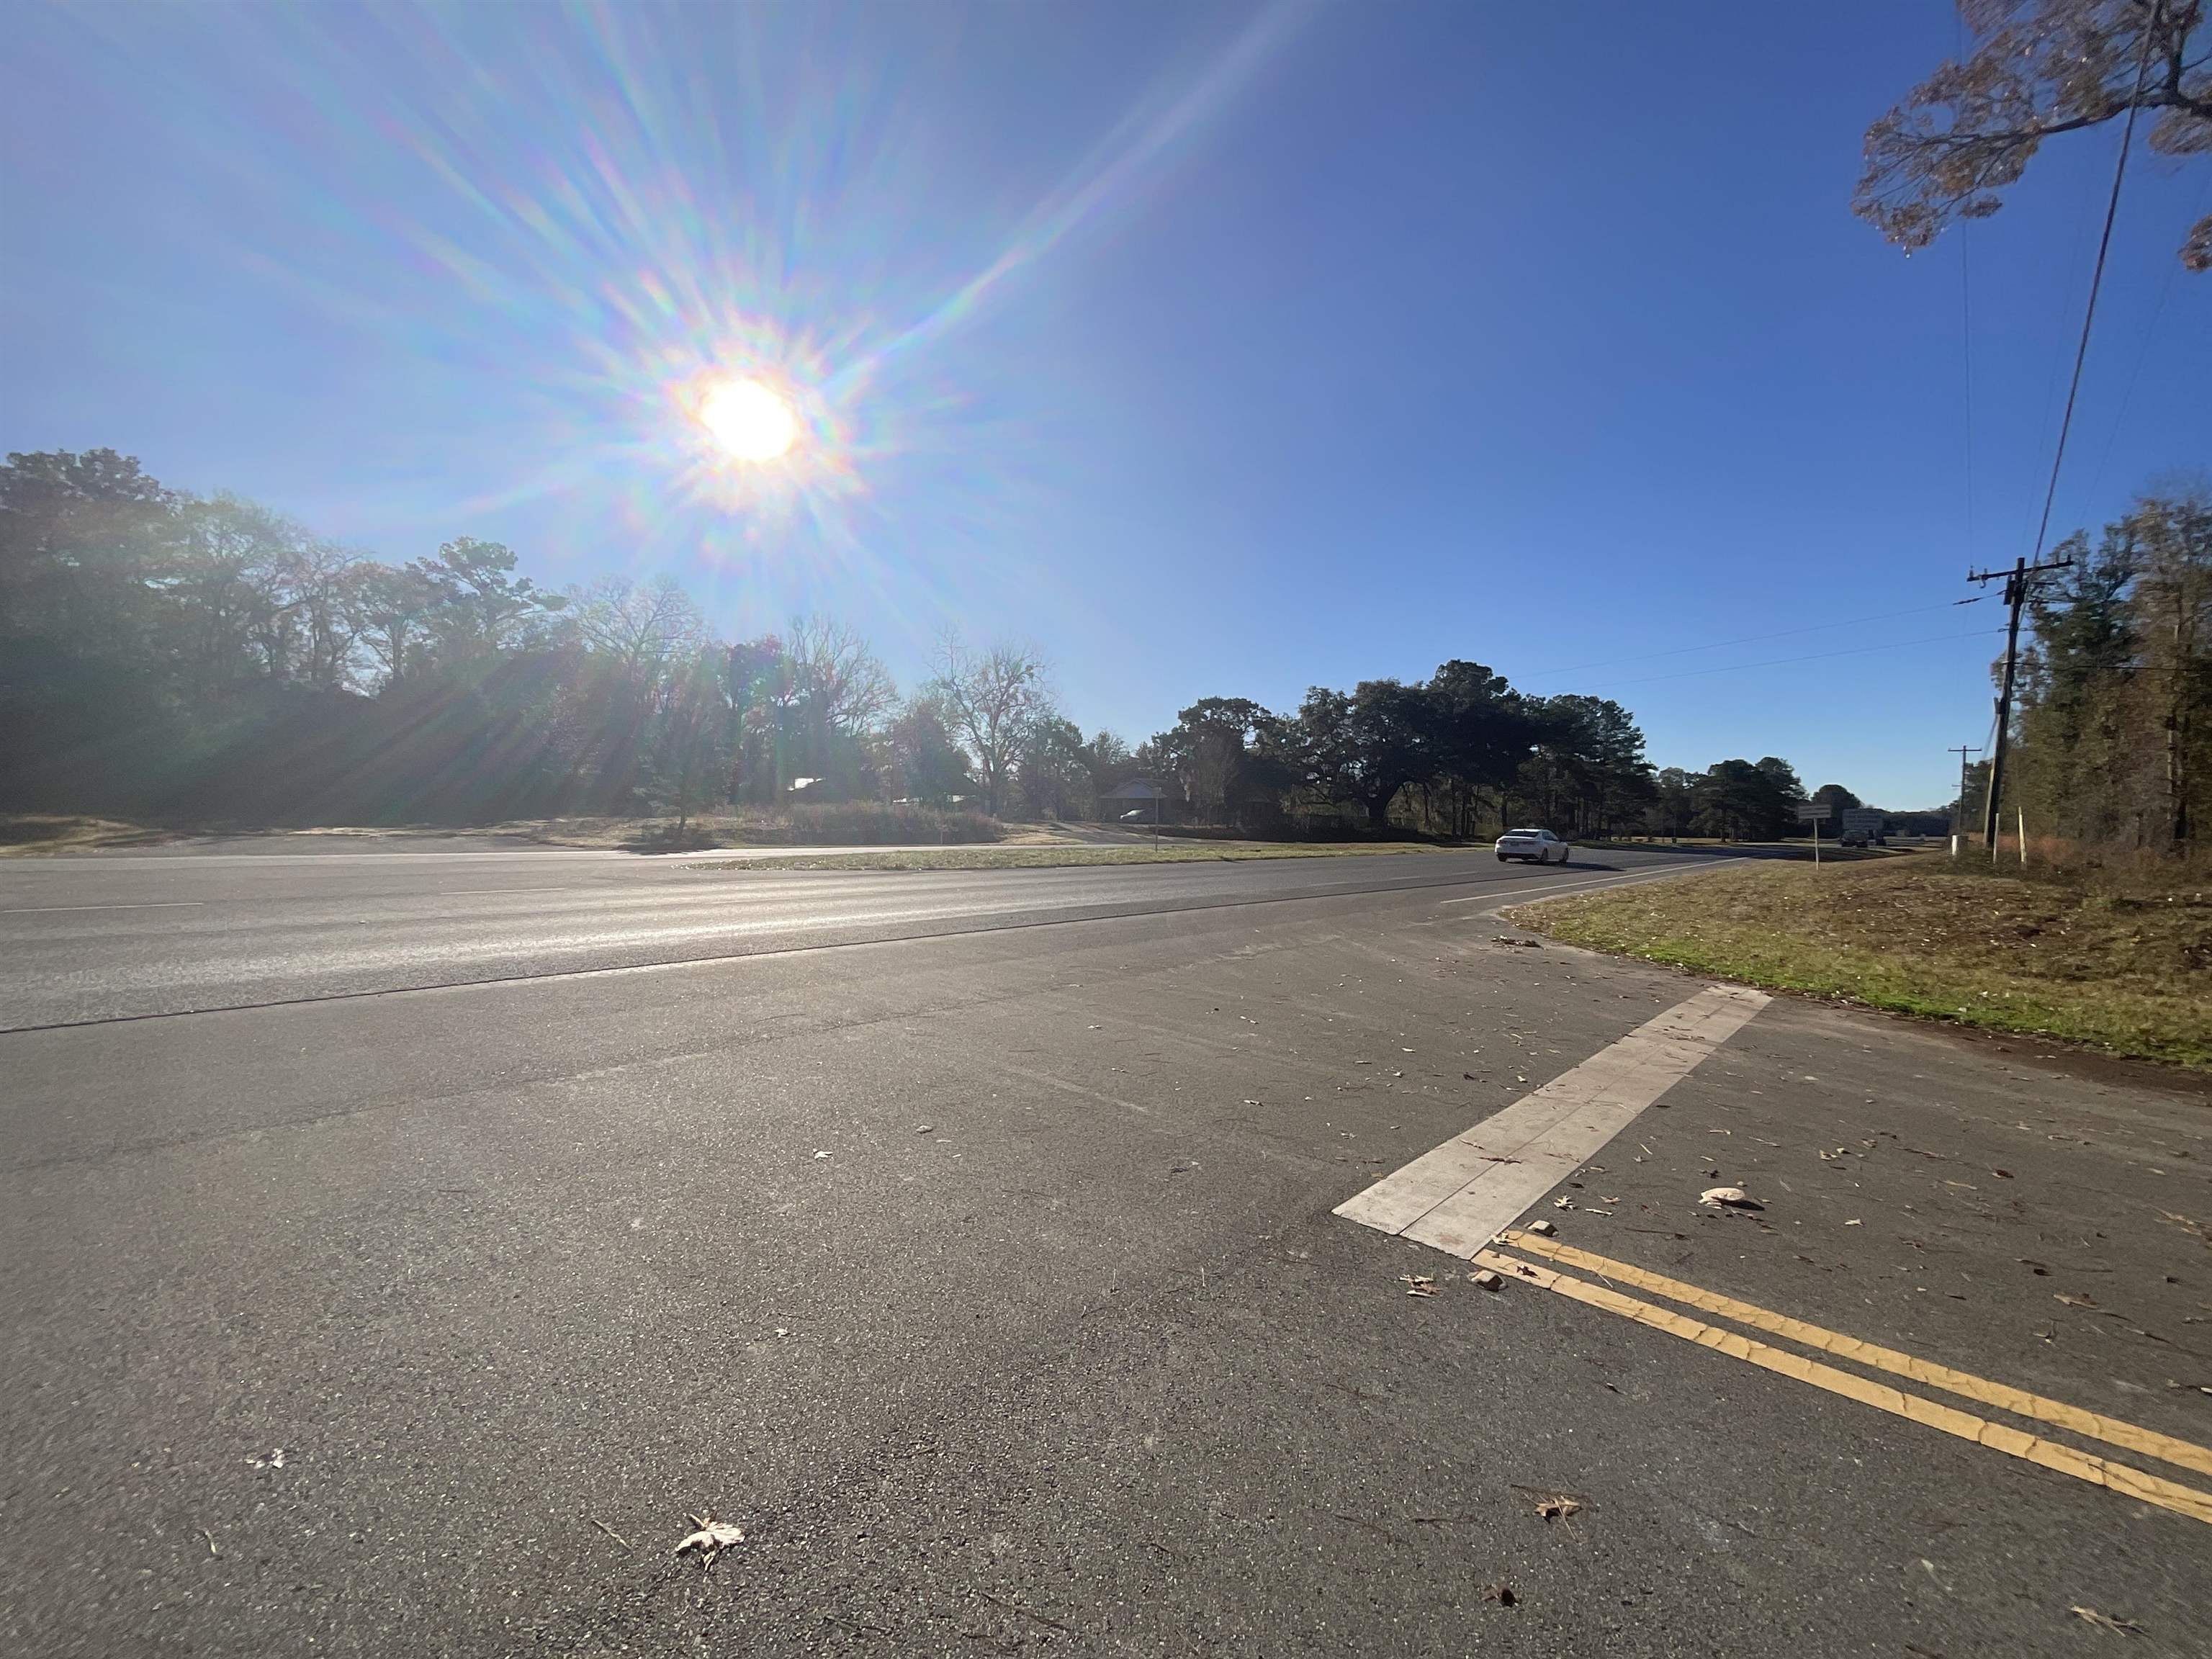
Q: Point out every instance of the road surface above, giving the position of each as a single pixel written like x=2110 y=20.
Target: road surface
x=971 y=1243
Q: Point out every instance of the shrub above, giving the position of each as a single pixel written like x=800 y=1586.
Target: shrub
x=870 y=822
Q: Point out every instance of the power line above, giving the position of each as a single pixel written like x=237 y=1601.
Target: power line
x=1755 y=639
x=1965 y=325
x=2142 y=352
x=2097 y=277
x=2020 y=577
x=1783 y=662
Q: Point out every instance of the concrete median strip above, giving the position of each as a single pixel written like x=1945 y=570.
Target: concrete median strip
x=1461 y=1196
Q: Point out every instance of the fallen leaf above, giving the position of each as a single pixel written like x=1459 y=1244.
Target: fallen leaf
x=1557 y=1509
x=711 y=1538
x=1501 y=1594
x=821 y=1154
x=1419 y=1284
x=1541 y=1227
x=1732 y=1198
x=1489 y=1281
x=924 y=1128
x=2105 y=1621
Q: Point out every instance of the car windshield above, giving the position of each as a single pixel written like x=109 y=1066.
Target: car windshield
x=1524 y=832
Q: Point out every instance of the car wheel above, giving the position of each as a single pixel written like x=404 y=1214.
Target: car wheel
x=1565 y=852
x=1501 y=858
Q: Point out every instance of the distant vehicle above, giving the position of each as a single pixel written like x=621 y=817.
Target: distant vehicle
x=1540 y=845
x=1862 y=826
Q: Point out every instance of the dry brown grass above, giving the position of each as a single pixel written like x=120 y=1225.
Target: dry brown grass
x=2123 y=962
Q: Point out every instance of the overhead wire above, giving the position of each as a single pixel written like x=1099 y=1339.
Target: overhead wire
x=2142 y=352
x=1966 y=375
x=2096 y=281
x=1965 y=325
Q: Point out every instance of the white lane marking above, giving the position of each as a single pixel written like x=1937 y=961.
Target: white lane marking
x=1461 y=1196
x=56 y=910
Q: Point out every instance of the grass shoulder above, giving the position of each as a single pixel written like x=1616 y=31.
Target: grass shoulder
x=2122 y=965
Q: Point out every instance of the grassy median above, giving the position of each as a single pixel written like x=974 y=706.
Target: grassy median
x=2125 y=964
x=1043 y=858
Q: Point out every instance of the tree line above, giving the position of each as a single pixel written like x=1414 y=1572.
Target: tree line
x=1460 y=754
x=2113 y=732
x=167 y=654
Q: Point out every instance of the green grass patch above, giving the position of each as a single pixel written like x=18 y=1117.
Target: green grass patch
x=2127 y=970
x=1045 y=858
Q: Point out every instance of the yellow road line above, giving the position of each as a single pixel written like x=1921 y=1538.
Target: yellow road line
x=2098 y=1471
x=2144 y=1442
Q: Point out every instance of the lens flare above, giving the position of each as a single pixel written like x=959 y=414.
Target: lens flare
x=748 y=419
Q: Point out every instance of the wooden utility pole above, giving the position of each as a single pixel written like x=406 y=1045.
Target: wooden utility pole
x=2016 y=583
x=1958 y=823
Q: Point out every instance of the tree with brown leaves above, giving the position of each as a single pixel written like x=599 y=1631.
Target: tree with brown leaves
x=2039 y=68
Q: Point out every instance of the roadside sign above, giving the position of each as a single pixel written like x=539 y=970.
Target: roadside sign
x=1814 y=813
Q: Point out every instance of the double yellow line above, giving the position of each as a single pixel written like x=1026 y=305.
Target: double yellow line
x=2128 y=1481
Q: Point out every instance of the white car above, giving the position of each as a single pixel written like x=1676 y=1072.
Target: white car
x=1541 y=845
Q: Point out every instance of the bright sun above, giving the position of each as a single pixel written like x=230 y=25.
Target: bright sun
x=749 y=420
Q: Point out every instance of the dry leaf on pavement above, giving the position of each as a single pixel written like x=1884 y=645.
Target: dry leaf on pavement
x=1732 y=1198
x=711 y=1539
x=1419 y=1283
x=2105 y=1621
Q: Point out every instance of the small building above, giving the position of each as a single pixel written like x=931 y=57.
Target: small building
x=1137 y=801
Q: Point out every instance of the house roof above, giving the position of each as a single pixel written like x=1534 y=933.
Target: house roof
x=1137 y=789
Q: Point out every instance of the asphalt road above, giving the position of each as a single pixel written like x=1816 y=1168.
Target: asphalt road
x=967 y=1241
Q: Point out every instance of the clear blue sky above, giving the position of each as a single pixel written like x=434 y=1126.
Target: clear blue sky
x=1215 y=350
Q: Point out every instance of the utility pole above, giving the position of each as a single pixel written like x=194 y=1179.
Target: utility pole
x=2016 y=584
x=1958 y=823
